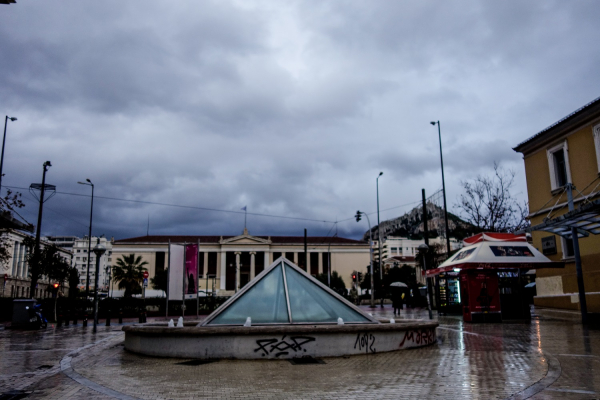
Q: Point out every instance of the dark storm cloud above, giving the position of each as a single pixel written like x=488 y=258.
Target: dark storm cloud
x=289 y=108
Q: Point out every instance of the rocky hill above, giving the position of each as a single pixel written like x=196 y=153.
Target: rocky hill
x=410 y=225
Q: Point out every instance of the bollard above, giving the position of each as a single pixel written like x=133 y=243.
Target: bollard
x=141 y=318
x=85 y=320
x=108 y=319
x=120 y=316
x=59 y=321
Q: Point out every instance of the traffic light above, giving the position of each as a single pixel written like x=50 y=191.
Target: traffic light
x=360 y=276
x=55 y=286
x=353 y=277
x=357 y=216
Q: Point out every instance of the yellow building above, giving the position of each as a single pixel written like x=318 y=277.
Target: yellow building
x=566 y=152
x=222 y=257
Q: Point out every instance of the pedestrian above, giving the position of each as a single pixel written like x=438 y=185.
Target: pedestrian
x=397 y=301
x=354 y=295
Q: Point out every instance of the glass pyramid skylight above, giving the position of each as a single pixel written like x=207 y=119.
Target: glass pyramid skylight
x=285 y=294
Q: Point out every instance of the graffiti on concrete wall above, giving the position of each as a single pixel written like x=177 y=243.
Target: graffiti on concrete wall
x=419 y=337
x=283 y=346
x=365 y=342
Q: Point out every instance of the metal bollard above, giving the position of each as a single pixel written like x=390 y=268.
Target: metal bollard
x=59 y=321
x=85 y=321
x=108 y=319
x=120 y=316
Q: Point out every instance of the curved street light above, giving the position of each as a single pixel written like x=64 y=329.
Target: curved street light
x=3 y=144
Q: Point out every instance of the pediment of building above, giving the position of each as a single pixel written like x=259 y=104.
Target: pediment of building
x=245 y=239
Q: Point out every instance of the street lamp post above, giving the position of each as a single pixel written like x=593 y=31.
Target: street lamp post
x=3 y=144
x=87 y=279
x=358 y=214
x=379 y=228
x=443 y=189
x=423 y=248
x=98 y=251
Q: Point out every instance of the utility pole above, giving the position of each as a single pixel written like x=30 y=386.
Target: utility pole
x=444 y=191
x=358 y=215
x=34 y=267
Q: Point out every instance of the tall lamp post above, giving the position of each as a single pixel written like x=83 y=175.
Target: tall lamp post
x=358 y=215
x=443 y=189
x=379 y=228
x=99 y=251
x=89 y=253
x=3 y=144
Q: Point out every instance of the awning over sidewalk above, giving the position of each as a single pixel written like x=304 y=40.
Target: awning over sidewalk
x=496 y=255
x=586 y=219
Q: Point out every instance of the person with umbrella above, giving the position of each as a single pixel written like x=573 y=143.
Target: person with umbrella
x=397 y=296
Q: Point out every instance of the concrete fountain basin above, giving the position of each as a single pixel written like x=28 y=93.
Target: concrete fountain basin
x=277 y=341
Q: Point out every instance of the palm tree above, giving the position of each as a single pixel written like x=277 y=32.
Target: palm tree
x=129 y=271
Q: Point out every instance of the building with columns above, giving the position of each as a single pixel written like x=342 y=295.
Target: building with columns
x=225 y=261
x=15 y=273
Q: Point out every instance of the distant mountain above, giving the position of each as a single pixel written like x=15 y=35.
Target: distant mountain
x=410 y=225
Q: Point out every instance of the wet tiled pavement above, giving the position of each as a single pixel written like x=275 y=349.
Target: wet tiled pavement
x=548 y=358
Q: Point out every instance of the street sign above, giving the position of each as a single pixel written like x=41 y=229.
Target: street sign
x=145 y=282
x=146 y=275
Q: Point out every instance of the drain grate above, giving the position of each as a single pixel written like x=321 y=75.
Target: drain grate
x=196 y=362
x=306 y=360
x=13 y=395
x=44 y=366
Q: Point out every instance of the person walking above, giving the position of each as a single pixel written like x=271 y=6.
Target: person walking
x=397 y=301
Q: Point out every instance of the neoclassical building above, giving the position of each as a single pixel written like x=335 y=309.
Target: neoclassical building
x=225 y=260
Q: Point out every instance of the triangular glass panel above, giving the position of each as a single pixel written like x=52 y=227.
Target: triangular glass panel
x=264 y=303
x=311 y=303
x=283 y=289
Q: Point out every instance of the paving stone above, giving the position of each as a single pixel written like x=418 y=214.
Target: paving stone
x=544 y=359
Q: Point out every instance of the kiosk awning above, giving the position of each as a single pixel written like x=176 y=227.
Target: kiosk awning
x=497 y=255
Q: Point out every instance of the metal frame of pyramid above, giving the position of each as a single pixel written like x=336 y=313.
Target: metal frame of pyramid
x=285 y=263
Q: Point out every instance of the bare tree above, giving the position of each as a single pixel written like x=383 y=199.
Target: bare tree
x=489 y=205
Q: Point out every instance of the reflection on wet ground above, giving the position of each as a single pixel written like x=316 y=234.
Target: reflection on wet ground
x=545 y=358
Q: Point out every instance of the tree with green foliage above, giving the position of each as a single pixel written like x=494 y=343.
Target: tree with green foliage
x=337 y=282
x=129 y=272
x=160 y=280
x=73 y=282
x=48 y=262
x=8 y=204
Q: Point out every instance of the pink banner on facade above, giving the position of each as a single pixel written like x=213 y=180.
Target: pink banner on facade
x=191 y=269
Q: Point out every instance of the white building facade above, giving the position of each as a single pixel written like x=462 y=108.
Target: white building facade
x=81 y=258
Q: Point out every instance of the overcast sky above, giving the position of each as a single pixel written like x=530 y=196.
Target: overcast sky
x=291 y=108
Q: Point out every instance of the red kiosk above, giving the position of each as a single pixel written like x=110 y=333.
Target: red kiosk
x=479 y=266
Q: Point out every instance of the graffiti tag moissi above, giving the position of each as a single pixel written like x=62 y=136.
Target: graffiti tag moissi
x=281 y=347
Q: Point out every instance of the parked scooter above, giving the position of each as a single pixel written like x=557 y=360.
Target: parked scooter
x=36 y=318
